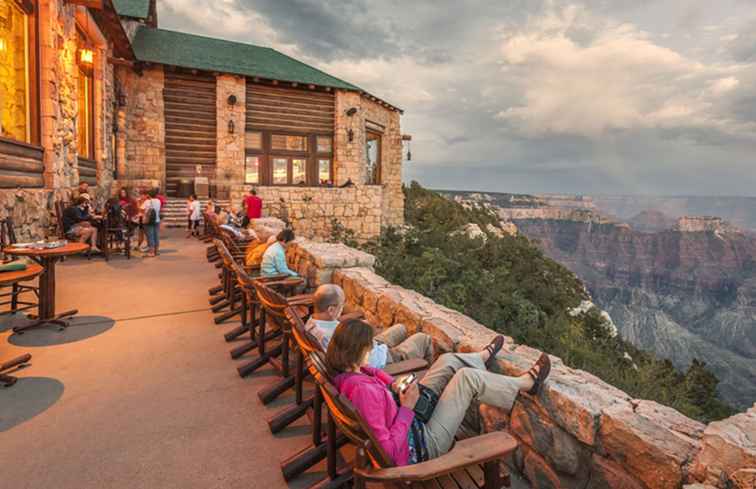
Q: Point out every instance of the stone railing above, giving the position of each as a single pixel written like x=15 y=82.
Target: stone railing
x=580 y=432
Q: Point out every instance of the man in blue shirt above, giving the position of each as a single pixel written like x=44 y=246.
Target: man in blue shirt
x=274 y=259
x=391 y=345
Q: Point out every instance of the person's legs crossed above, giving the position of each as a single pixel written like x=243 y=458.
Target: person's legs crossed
x=444 y=368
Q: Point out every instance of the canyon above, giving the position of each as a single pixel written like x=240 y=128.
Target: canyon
x=683 y=287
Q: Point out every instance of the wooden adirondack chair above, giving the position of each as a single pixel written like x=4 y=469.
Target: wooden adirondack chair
x=472 y=463
x=306 y=345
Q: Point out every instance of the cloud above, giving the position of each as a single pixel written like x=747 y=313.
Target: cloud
x=617 y=79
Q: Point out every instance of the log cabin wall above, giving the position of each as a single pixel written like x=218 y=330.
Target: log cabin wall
x=190 y=126
x=289 y=109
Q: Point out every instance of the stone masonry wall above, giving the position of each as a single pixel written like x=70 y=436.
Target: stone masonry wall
x=311 y=210
x=143 y=136
x=230 y=147
x=580 y=432
x=349 y=157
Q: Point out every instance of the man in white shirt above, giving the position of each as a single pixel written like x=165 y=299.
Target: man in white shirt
x=392 y=345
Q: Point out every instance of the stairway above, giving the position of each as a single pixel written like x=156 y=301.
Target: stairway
x=174 y=214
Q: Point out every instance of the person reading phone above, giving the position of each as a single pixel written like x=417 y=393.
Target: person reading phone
x=391 y=345
x=452 y=385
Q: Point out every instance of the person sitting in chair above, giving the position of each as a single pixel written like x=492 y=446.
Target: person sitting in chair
x=274 y=260
x=423 y=423
x=392 y=345
x=77 y=225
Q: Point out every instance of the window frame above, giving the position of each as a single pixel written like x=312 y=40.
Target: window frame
x=89 y=74
x=33 y=123
x=379 y=172
x=267 y=154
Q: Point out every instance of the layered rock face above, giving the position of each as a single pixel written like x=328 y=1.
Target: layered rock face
x=579 y=432
x=688 y=292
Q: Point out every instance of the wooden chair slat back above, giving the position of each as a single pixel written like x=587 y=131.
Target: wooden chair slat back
x=273 y=302
x=349 y=421
x=304 y=340
x=60 y=207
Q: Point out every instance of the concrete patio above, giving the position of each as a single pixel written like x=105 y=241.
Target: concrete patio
x=140 y=392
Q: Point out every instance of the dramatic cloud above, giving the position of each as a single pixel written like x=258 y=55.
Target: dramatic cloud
x=641 y=96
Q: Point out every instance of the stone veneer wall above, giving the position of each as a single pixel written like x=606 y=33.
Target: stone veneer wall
x=580 y=432
x=142 y=134
x=230 y=147
x=311 y=210
x=32 y=210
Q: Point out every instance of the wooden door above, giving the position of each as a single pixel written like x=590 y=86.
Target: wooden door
x=190 y=126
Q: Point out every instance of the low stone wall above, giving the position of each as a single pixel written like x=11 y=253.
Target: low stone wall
x=580 y=432
x=314 y=210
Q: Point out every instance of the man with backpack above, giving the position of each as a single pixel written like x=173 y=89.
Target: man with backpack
x=151 y=222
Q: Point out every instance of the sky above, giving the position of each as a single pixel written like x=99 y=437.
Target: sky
x=529 y=96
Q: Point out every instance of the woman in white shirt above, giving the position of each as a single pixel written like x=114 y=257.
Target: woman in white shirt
x=195 y=214
x=151 y=222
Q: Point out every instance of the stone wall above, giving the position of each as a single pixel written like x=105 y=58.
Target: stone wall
x=312 y=210
x=142 y=136
x=230 y=147
x=580 y=432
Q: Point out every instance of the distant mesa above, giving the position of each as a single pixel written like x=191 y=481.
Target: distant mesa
x=652 y=221
x=705 y=224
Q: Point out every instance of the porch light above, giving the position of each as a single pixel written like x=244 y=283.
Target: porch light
x=231 y=126
x=3 y=45
x=86 y=56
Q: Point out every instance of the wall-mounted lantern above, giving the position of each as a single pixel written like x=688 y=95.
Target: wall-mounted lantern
x=231 y=126
x=86 y=57
x=350 y=132
x=408 y=138
x=231 y=100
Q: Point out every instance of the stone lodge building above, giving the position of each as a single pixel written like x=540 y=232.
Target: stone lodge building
x=93 y=90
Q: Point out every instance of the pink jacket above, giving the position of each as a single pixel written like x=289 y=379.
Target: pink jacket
x=370 y=395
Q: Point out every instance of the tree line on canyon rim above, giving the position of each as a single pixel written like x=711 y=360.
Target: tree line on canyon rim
x=507 y=284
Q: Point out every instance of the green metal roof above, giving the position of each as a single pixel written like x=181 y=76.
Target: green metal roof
x=205 y=53
x=139 y=9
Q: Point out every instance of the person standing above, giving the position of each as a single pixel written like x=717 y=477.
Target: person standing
x=253 y=206
x=151 y=221
x=195 y=214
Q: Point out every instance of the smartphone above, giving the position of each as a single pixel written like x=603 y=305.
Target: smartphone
x=406 y=382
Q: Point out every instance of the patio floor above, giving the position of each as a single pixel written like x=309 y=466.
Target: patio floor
x=140 y=392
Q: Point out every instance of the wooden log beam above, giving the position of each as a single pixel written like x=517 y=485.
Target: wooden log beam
x=94 y=4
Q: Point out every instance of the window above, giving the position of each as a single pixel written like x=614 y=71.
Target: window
x=273 y=158
x=17 y=75
x=252 y=170
x=85 y=121
x=373 y=158
x=288 y=143
x=324 y=172
x=86 y=116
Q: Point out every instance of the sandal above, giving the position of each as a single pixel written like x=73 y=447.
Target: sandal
x=539 y=377
x=493 y=348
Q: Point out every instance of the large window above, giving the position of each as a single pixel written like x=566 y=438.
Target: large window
x=373 y=158
x=85 y=120
x=277 y=158
x=17 y=73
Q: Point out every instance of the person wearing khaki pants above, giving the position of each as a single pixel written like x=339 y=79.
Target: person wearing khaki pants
x=403 y=347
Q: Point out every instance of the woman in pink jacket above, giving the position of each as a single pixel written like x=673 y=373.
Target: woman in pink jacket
x=455 y=382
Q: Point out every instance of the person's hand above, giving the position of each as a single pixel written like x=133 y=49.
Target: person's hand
x=409 y=397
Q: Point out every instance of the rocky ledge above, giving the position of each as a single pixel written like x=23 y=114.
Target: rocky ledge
x=580 y=431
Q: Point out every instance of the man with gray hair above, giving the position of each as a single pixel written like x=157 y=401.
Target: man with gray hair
x=392 y=345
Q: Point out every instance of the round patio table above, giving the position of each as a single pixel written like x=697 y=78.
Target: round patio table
x=48 y=258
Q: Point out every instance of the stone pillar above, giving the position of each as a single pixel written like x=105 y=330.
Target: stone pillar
x=230 y=146
x=349 y=157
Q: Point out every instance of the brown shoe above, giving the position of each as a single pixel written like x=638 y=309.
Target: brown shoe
x=493 y=348
x=540 y=375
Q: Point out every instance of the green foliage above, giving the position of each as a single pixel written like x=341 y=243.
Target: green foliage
x=508 y=284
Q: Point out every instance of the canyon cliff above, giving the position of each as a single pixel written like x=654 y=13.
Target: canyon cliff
x=685 y=292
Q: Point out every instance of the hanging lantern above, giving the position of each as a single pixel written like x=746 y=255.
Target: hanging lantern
x=408 y=138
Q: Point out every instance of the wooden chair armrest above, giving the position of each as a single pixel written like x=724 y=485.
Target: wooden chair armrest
x=300 y=300
x=272 y=278
x=472 y=451
x=405 y=366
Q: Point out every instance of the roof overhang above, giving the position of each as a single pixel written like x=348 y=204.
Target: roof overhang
x=110 y=23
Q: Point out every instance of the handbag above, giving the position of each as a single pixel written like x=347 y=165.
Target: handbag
x=426 y=403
